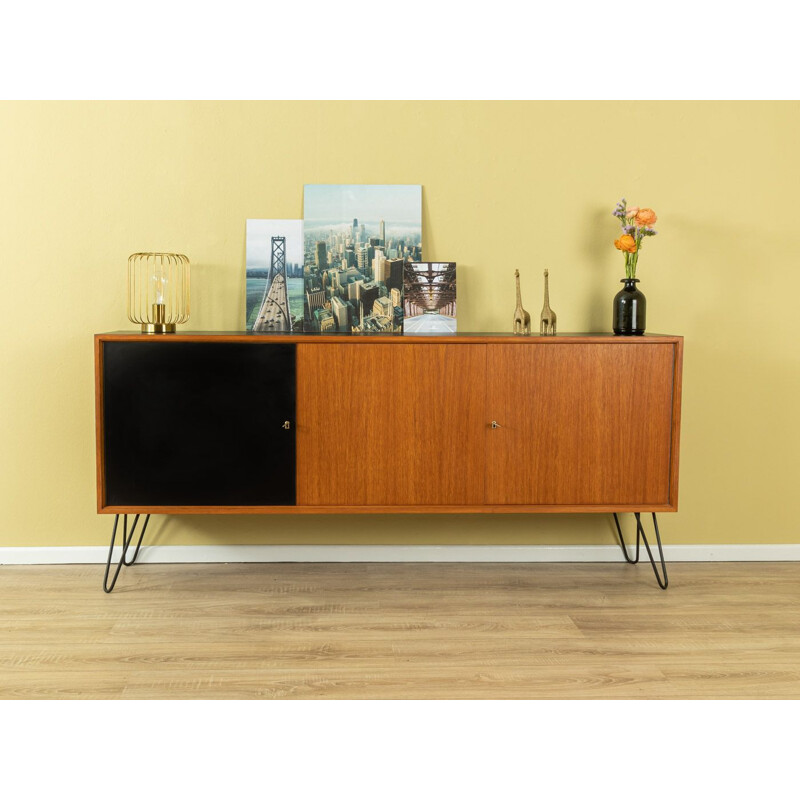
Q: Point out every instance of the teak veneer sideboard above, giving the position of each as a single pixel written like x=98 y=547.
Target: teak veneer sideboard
x=231 y=423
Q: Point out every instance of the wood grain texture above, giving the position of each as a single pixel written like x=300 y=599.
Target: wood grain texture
x=372 y=631
x=98 y=424
x=387 y=426
x=581 y=424
x=677 y=390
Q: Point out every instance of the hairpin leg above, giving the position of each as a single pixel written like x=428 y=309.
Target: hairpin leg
x=126 y=542
x=640 y=536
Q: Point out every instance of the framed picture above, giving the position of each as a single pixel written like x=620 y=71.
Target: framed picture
x=357 y=240
x=430 y=297
x=274 y=275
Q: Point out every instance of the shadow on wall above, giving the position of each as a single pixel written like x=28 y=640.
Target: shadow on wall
x=469 y=315
x=595 y=249
x=218 y=296
x=404 y=529
x=428 y=247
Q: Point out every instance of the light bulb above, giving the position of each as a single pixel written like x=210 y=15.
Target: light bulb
x=159 y=281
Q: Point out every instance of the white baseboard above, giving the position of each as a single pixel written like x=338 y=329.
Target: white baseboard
x=395 y=553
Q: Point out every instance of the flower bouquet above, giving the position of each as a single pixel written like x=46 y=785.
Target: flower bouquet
x=630 y=304
x=637 y=223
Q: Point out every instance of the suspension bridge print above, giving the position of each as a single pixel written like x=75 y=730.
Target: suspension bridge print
x=274 y=275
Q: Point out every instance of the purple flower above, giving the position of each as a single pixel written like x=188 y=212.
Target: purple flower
x=649 y=232
x=629 y=229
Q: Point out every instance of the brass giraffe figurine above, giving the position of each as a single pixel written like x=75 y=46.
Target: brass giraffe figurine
x=547 y=321
x=522 y=319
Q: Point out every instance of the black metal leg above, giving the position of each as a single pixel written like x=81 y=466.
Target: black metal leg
x=640 y=536
x=126 y=542
x=138 y=544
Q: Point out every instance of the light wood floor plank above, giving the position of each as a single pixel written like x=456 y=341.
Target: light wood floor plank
x=313 y=631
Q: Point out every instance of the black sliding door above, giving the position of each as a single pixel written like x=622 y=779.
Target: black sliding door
x=199 y=423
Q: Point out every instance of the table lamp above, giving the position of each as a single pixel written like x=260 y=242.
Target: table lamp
x=158 y=291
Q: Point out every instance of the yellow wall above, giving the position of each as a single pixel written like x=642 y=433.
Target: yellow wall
x=506 y=185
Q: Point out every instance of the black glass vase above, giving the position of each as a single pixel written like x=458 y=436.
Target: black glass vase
x=630 y=309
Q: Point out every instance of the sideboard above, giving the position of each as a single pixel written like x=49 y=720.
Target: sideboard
x=231 y=423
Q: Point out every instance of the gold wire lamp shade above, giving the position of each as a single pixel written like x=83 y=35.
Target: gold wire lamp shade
x=158 y=291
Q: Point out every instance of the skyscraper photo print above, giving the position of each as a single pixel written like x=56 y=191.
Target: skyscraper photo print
x=357 y=240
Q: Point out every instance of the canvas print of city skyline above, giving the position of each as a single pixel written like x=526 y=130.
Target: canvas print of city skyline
x=430 y=297
x=274 y=275
x=357 y=239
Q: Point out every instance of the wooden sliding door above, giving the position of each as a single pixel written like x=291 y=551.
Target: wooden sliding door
x=391 y=424
x=580 y=424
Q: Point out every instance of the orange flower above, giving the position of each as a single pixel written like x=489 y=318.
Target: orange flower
x=626 y=243
x=645 y=217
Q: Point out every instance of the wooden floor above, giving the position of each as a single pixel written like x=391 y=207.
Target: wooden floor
x=722 y=630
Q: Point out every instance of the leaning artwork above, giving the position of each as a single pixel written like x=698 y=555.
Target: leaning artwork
x=274 y=275
x=430 y=297
x=358 y=239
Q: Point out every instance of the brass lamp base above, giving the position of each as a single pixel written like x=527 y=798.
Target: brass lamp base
x=158 y=327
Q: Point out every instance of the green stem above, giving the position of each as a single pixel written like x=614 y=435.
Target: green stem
x=638 y=236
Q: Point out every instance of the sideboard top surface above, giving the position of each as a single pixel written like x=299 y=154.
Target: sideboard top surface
x=349 y=338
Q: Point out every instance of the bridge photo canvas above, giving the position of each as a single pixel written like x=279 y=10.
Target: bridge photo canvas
x=358 y=238
x=430 y=297
x=274 y=275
